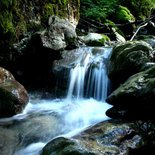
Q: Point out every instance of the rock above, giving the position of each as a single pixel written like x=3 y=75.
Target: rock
x=135 y=96
x=95 y=39
x=150 y=40
x=128 y=58
x=19 y=18
x=59 y=35
x=13 y=96
x=33 y=66
x=64 y=146
x=109 y=137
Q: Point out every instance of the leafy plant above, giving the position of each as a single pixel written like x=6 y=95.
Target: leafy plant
x=141 y=9
x=98 y=9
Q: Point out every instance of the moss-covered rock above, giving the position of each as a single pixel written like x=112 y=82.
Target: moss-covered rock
x=64 y=146
x=135 y=98
x=95 y=39
x=128 y=58
x=124 y=15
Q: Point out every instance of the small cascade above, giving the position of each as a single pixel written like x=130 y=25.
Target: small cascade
x=77 y=75
x=42 y=120
x=88 y=78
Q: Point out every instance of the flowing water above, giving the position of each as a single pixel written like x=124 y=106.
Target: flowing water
x=84 y=106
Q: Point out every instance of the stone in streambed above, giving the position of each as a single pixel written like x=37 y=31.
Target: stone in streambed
x=135 y=98
x=13 y=96
x=128 y=58
x=64 y=146
x=110 y=137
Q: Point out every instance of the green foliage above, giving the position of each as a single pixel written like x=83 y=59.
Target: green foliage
x=99 y=10
x=48 y=10
x=141 y=9
x=106 y=9
x=100 y=42
x=6 y=24
x=6 y=4
x=124 y=15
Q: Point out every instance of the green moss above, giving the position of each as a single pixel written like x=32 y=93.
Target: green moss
x=124 y=15
x=58 y=8
x=100 y=42
x=48 y=10
x=7 y=4
x=6 y=24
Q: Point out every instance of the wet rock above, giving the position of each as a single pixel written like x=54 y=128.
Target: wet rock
x=135 y=96
x=95 y=39
x=13 y=96
x=64 y=146
x=128 y=58
x=110 y=137
x=150 y=40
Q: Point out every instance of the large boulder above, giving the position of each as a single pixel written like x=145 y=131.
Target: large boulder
x=128 y=58
x=13 y=96
x=40 y=50
x=60 y=34
x=19 y=18
x=110 y=137
x=135 y=98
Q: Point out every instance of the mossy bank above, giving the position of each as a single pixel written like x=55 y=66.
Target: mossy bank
x=20 y=17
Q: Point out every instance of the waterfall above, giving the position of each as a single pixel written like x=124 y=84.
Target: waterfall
x=43 y=120
x=88 y=77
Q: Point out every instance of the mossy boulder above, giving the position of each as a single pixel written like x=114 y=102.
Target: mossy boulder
x=128 y=58
x=135 y=98
x=13 y=96
x=64 y=146
x=124 y=15
x=95 y=39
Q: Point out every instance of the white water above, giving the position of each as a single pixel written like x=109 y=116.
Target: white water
x=95 y=84
x=84 y=106
x=75 y=117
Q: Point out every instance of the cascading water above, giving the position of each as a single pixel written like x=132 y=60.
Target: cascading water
x=88 y=78
x=84 y=105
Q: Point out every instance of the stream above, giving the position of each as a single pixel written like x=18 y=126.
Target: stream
x=42 y=120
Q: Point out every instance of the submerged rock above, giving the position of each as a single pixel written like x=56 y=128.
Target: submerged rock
x=128 y=58
x=135 y=98
x=8 y=141
x=13 y=96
